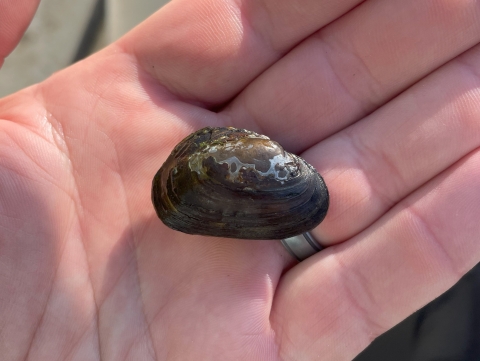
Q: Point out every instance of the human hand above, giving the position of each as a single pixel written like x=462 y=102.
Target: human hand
x=87 y=270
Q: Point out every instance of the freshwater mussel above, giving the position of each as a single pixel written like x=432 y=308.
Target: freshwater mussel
x=235 y=183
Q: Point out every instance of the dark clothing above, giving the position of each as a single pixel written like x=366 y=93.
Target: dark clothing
x=447 y=329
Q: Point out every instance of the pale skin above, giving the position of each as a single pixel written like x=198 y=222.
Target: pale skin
x=382 y=97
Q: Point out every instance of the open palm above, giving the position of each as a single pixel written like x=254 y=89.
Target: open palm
x=376 y=96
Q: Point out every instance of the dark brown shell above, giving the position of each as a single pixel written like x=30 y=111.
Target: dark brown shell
x=234 y=183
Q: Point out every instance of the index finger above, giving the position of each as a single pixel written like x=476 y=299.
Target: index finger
x=206 y=51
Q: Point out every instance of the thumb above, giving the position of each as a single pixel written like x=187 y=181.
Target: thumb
x=14 y=19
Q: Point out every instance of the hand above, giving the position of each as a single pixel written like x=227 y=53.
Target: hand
x=382 y=98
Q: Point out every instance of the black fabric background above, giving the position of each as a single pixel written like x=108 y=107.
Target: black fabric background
x=447 y=329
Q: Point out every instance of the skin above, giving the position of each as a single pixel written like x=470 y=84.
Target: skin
x=382 y=97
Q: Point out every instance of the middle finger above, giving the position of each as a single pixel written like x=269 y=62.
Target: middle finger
x=374 y=163
x=353 y=66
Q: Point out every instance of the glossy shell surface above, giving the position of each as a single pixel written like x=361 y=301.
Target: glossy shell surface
x=234 y=183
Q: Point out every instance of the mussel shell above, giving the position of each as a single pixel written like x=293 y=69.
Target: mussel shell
x=234 y=183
